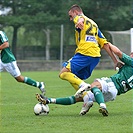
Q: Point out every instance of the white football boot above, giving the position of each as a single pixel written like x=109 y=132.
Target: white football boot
x=86 y=107
x=83 y=88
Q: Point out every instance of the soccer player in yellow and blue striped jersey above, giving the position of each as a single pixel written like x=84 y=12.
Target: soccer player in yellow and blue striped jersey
x=89 y=41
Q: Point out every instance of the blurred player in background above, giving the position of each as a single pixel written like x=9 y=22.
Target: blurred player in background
x=8 y=62
x=102 y=89
x=89 y=41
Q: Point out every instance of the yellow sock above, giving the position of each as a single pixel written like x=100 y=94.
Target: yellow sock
x=85 y=96
x=76 y=87
x=84 y=93
x=71 y=78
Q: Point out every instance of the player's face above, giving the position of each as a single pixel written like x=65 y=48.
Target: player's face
x=71 y=15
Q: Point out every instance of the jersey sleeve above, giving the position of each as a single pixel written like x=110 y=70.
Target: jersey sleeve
x=101 y=39
x=127 y=59
x=3 y=37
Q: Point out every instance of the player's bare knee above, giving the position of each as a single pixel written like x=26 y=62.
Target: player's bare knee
x=96 y=84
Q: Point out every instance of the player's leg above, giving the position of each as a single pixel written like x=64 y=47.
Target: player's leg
x=31 y=82
x=97 y=88
x=85 y=72
x=109 y=92
x=75 y=86
x=88 y=99
x=73 y=80
x=62 y=101
x=100 y=100
x=88 y=103
x=13 y=69
x=72 y=71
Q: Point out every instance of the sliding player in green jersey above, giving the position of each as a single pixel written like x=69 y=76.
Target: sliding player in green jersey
x=89 y=41
x=103 y=89
x=8 y=62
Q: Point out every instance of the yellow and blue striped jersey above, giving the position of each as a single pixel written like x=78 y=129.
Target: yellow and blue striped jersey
x=89 y=40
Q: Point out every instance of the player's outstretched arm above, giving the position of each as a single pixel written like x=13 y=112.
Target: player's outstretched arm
x=115 y=50
x=110 y=53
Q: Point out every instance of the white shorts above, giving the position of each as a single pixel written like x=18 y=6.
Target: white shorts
x=11 y=67
x=108 y=89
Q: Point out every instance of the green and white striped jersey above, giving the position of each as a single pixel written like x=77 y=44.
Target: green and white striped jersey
x=6 y=54
x=123 y=80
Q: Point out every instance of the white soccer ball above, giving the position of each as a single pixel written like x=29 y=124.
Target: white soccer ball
x=117 y=68
x=41 y=109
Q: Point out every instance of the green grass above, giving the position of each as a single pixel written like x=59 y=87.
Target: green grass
x=17 y=101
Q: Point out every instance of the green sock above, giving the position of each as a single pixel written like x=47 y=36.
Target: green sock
x=63 y=101
x=32 y=82
x=98 y=95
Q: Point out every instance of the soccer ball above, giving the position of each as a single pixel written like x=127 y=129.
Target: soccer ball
x=41 y=109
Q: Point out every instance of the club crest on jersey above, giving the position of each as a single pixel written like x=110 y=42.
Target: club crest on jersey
x=89 y=38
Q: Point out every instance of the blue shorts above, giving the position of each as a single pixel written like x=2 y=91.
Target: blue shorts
x=81 y=65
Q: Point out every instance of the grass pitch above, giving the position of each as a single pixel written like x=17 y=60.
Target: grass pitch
x=17 y=101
